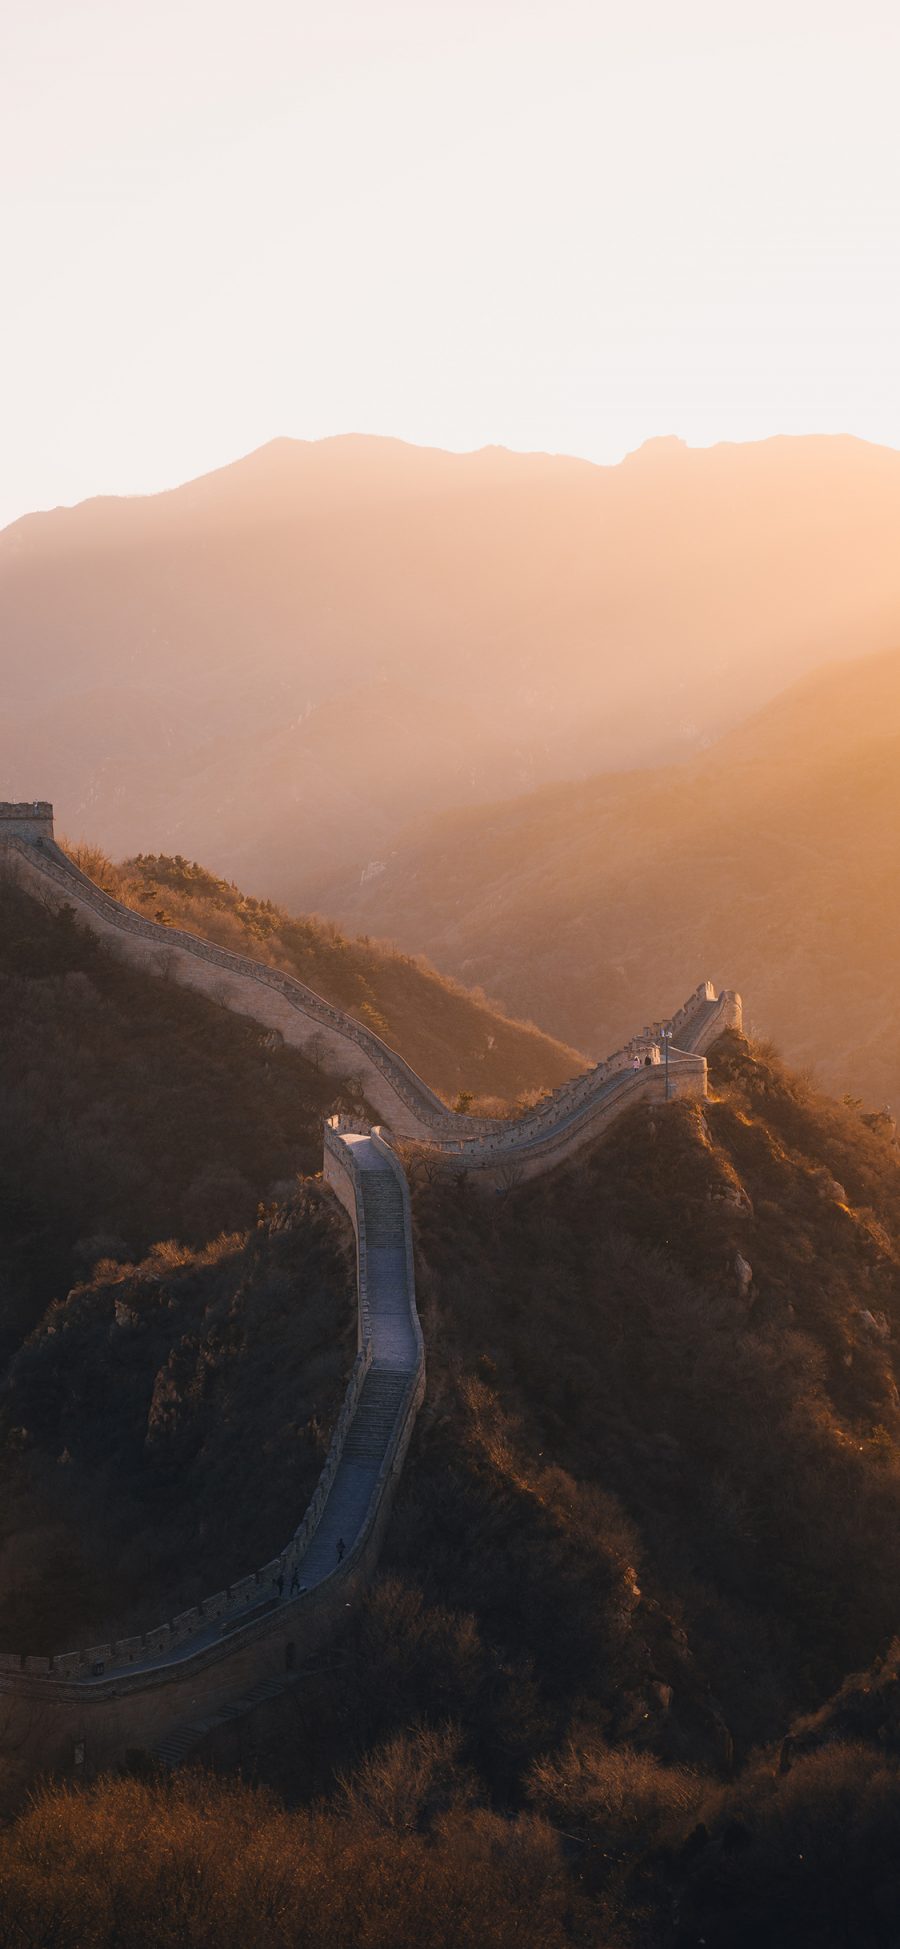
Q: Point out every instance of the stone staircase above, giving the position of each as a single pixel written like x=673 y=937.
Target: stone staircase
x=383 y=1208
x=177 y=1746
x=379 y=1403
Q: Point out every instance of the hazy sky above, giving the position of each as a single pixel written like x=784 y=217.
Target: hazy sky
x=563 y=224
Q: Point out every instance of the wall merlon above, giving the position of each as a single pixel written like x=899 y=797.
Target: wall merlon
x=127 y=1651
x=185 y=1623
x=243 y=1592
x=158 y=1638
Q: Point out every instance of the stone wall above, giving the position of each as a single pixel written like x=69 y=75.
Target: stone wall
x=91 y=1706
x=411 y=1110
x=85 y=1710
x=275 y=999
x=582 y=1108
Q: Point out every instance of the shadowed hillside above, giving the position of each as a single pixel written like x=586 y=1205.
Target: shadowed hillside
x=771 y=859
x=170 y=1367
x=644 y=1540
x=282 y=663
x=132 y=1111
x=165 y=1361
x=165 y=1424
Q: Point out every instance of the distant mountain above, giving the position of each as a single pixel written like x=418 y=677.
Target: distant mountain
x=772 y=860
x=282 y=663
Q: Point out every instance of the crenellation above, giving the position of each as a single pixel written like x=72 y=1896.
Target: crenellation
x=127 y=1651
x=185 y=1623
x=243 y=1592
x=158 y=1639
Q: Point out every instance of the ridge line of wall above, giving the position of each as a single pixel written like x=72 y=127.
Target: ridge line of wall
x=478 y=1141
x=71 y=1684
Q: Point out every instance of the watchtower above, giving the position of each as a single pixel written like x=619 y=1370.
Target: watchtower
x=33 y=822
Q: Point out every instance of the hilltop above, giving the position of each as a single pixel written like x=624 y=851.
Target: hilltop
x=772 y=854
x=455 y=1039
x=283 y=663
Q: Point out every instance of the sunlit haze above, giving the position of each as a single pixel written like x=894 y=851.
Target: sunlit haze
x=555 y=225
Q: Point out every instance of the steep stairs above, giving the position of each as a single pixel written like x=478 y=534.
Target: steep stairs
x=383 y=1208
x=177 y=1746
x=379 y=1403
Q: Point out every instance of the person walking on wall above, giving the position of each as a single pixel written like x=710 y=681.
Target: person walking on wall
x=340 y=1550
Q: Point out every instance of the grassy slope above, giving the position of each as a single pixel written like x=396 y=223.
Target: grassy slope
x=454 y=1039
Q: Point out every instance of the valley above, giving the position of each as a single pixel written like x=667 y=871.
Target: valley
x=774 y=852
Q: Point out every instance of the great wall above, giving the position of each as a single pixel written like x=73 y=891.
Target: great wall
x=165 y=1689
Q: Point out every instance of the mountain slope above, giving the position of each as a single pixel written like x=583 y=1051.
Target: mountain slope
x=771 y=859
x=132 y=1111
x=279 y=664
x=644 y=1536
x=454 y=1039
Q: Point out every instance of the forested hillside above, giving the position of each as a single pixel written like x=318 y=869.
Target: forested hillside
x=166 y=1351
x=601 y=1690
x=171 y=1366
x=454 y=1039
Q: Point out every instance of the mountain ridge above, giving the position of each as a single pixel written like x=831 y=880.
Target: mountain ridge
x=542 y=617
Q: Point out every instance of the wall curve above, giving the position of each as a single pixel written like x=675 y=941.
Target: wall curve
x=86 y=1709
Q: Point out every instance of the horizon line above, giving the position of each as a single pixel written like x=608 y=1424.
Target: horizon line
x=674 y=442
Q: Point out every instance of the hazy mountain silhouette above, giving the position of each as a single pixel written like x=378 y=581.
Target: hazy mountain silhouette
x=280 y=663
x=771 y=860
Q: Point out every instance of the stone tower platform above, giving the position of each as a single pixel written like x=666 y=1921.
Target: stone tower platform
x=27 y=821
